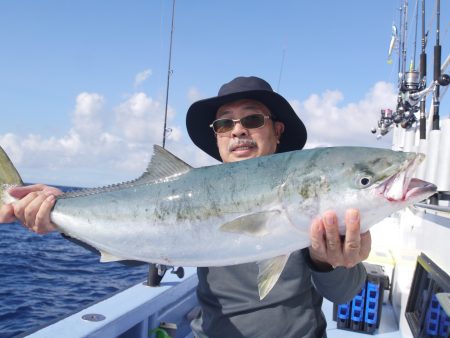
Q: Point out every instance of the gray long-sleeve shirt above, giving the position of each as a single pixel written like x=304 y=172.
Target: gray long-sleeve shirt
x=231 y=307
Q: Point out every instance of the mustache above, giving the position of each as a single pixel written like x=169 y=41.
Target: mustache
x=241 y=142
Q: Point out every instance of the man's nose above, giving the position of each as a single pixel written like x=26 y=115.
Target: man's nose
x=239 y=130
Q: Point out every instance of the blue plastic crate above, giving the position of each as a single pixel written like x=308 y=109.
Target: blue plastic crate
x=423 y=312
x=444 y=325
x=357 y=311
x=432 y=317
x=343 y=315
x=363 y=312
x=343 y=311
x=372 y=303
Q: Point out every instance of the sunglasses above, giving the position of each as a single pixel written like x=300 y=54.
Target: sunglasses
x=252 y=121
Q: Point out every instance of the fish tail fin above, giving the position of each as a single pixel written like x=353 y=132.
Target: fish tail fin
x=8 y=176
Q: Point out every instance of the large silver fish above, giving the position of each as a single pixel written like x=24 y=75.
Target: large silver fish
x=254 y=210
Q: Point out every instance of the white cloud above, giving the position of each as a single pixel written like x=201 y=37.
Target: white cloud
x=141 y=77
x=331 y=124
x=86 y=118
x=91 y=152
x=140 y=119
x=194 y=94
x=175 y=134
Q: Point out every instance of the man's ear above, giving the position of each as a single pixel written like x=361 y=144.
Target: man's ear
x=279 y=129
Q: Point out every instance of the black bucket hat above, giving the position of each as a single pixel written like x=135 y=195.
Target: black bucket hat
x=202 y=113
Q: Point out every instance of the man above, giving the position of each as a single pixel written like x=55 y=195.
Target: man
x=247 y=119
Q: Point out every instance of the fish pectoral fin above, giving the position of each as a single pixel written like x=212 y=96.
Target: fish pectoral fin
x=107 y=257
x=269 y=272
x=253 y=224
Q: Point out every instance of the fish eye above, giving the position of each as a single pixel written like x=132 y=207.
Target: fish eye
x=364 y=181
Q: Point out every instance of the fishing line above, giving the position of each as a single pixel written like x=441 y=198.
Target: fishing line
x=433 y=15
x=281 y=69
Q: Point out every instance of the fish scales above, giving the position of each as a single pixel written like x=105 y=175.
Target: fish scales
x=188 y=204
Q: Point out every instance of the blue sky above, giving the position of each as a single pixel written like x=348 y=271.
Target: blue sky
x=82 y=83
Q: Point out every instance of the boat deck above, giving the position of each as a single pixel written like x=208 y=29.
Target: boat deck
x=139 y=309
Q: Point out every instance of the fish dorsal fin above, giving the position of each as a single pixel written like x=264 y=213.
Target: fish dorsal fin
x=269 y=272
x=163 y=164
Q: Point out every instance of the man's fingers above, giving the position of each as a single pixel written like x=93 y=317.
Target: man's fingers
x=42 y=222
x=33 y=208
x=21 y=205
x=317 y=242
x=329 y=247
x=22 y=191
x=352 y=244
x=366 y=244
x=333 y=240
x=52 y=191
x=7 y=214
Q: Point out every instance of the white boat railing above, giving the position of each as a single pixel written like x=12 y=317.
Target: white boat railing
x=134 y=312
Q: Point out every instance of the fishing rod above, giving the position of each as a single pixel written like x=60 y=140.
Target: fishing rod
x=386 y=121
x=415 y=33
x=399 y=63
x=412 y=85
x=423 y=77
x=437 y=68
x=157 y=271
x=169 y=73
x=404 y=31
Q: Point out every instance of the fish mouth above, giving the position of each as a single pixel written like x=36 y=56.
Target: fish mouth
x=402 y=186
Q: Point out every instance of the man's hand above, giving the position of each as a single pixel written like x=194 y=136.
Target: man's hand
x=329 y=248
x=33 y=207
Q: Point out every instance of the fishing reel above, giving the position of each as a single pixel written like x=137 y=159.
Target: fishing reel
x=157 y=271
x=407 y=106
x=410 y=86
x=385 y=123
x=404 y=116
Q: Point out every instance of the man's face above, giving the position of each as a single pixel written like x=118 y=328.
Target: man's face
x=241 y=143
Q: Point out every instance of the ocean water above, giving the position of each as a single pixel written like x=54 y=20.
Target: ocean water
x=45 y=277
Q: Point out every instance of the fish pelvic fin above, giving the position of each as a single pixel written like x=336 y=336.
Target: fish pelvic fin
x=252 y=224
x=106 y=257
x=9 y=177
x=269 y=273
